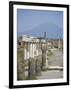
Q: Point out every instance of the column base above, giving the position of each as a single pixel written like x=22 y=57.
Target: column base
x=44 y=68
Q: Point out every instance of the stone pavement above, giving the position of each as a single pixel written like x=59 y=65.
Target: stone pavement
x=55 y=68
x=51 y=74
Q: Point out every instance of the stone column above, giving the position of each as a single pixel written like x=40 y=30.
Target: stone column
x=33 y=50
x=59 y=46
x=31 y=64
x=31 y=68
x=25 y=51
x=38 y=61
x=30 y=50
x=38 y=66
x=20 y=64
x=44 y=58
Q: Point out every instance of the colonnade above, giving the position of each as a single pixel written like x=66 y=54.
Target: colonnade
x=36 y=60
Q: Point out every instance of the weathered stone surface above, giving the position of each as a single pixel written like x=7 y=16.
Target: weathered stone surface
x=38 y=67
x=31 y=67
x=44 y=59
x=20 y=65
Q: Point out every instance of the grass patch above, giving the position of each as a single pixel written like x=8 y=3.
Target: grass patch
x=50 y=53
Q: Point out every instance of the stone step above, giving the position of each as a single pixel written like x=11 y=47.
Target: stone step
x=55 y=68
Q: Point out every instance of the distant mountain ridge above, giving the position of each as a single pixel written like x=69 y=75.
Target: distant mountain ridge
x=52 y=31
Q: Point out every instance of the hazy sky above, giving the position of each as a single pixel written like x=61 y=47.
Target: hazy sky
x=36 y=22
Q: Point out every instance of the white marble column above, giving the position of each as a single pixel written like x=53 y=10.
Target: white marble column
x=31 y=50
x=28 y=50
x=31 y=63
x=44 y=57
x=25 y=51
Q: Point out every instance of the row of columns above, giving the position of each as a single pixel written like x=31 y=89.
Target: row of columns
x=35 y=64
